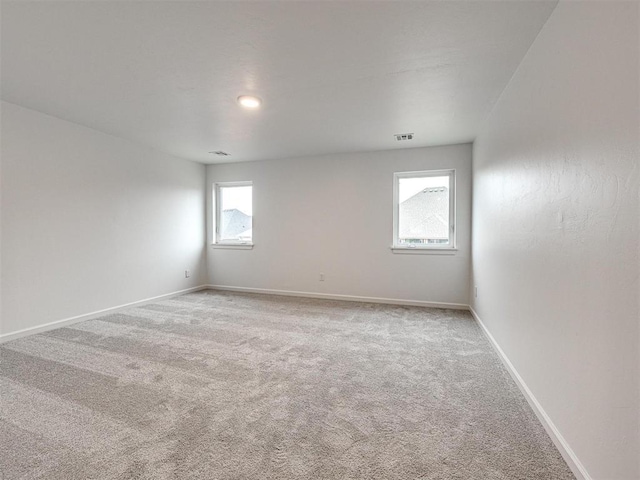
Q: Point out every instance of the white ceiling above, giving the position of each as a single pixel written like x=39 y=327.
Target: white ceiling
x=334 y=76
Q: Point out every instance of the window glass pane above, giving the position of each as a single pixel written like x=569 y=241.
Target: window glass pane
x=236 y=213
x=423 y=213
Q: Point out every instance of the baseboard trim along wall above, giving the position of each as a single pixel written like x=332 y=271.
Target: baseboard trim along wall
x=333 y=296
x=7 y=337
x=561 y=444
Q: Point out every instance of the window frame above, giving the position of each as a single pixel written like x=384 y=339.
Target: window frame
x=216 y=202
x=444 y=248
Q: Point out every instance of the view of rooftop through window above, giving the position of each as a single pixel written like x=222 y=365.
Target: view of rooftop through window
x=236 y=213
x=423 y=216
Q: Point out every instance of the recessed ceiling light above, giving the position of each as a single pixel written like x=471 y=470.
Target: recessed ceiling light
x=249 y=101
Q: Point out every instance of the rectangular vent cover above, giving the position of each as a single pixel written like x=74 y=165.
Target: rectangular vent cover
x=403 y=136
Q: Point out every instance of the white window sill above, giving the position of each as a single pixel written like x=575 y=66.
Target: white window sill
x=424 y=250
x=233 y=246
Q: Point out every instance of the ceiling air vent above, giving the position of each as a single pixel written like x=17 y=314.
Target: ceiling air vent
x=220 y=153
x=403 y=136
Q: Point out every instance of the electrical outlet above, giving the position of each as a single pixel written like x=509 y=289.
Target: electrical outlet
x=322 y=277
x=187 y=273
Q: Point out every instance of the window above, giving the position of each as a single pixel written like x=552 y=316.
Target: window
x=233 y=222
x=424 y=210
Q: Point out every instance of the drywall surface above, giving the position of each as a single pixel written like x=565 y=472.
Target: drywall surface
x=333 y=215
x=91 y=221
x=1 y=106
x=335 y=76
x=555 y=229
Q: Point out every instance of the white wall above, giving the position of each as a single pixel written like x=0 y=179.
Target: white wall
x=333 y=215
x=555 y=229
x=91 y=221
x=1 y=107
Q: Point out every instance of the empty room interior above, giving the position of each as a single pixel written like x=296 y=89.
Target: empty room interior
x=320 y=240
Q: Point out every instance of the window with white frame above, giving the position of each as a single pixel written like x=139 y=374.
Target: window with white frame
x=424 y=210
x=233 y=207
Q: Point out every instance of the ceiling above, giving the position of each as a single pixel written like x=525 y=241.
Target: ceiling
x=333 y=76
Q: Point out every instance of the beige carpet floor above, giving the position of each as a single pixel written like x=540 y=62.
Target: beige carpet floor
x=215 y=385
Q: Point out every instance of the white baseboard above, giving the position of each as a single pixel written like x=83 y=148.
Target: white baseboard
x=348 y=298
x=561 y=444
x=7 y=337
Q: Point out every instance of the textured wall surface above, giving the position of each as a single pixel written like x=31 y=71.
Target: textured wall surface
x=91 y=221
x=333 y=215
x=555 y=229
